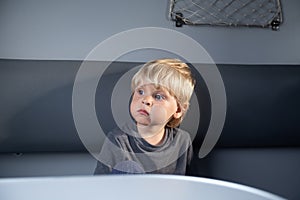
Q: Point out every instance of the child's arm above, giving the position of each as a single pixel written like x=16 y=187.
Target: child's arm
x=190 y=154
x=111 y=154
x=102 y=169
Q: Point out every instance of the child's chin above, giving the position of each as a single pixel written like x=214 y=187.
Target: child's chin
x=143 y=123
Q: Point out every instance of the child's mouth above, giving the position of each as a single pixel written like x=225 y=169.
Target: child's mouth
x=143 y=112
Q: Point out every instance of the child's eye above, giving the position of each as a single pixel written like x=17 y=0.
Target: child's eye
x=140 y=91
x=159 y=97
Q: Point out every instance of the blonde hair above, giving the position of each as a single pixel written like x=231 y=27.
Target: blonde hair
x=172 y=74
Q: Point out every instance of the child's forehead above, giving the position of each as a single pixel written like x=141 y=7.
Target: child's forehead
x=152 y=85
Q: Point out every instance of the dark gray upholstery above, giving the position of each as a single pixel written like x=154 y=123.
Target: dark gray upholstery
x=259 y=145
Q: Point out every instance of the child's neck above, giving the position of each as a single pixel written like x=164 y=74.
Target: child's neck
x=154 y=135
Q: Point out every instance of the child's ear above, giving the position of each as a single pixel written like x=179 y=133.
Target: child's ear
x=178 y=112
x=181 y=109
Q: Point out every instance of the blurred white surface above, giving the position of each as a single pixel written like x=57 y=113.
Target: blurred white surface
x=131 y=187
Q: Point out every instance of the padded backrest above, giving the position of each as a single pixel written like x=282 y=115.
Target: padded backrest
x=36 y=105
x=262 y=106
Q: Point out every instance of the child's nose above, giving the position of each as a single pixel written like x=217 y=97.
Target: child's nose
x=147 y=100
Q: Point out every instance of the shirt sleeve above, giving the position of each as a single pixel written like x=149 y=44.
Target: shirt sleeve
x=102 y=169
x=111 y=154
x=190 y=154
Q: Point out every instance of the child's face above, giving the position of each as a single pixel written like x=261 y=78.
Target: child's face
x=153 y=106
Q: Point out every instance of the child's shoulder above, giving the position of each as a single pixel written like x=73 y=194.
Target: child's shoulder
x=121 y=135
x=180 y=134
x=179 y=131
x=117 y=133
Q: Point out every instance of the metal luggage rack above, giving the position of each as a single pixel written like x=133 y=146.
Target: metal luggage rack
x=250 y=13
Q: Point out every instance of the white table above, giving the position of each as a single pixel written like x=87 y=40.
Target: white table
x=133 y=187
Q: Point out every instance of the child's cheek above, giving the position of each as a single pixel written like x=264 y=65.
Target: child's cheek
x=158 y=115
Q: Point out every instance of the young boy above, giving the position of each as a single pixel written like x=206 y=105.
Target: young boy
x=153 y=144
